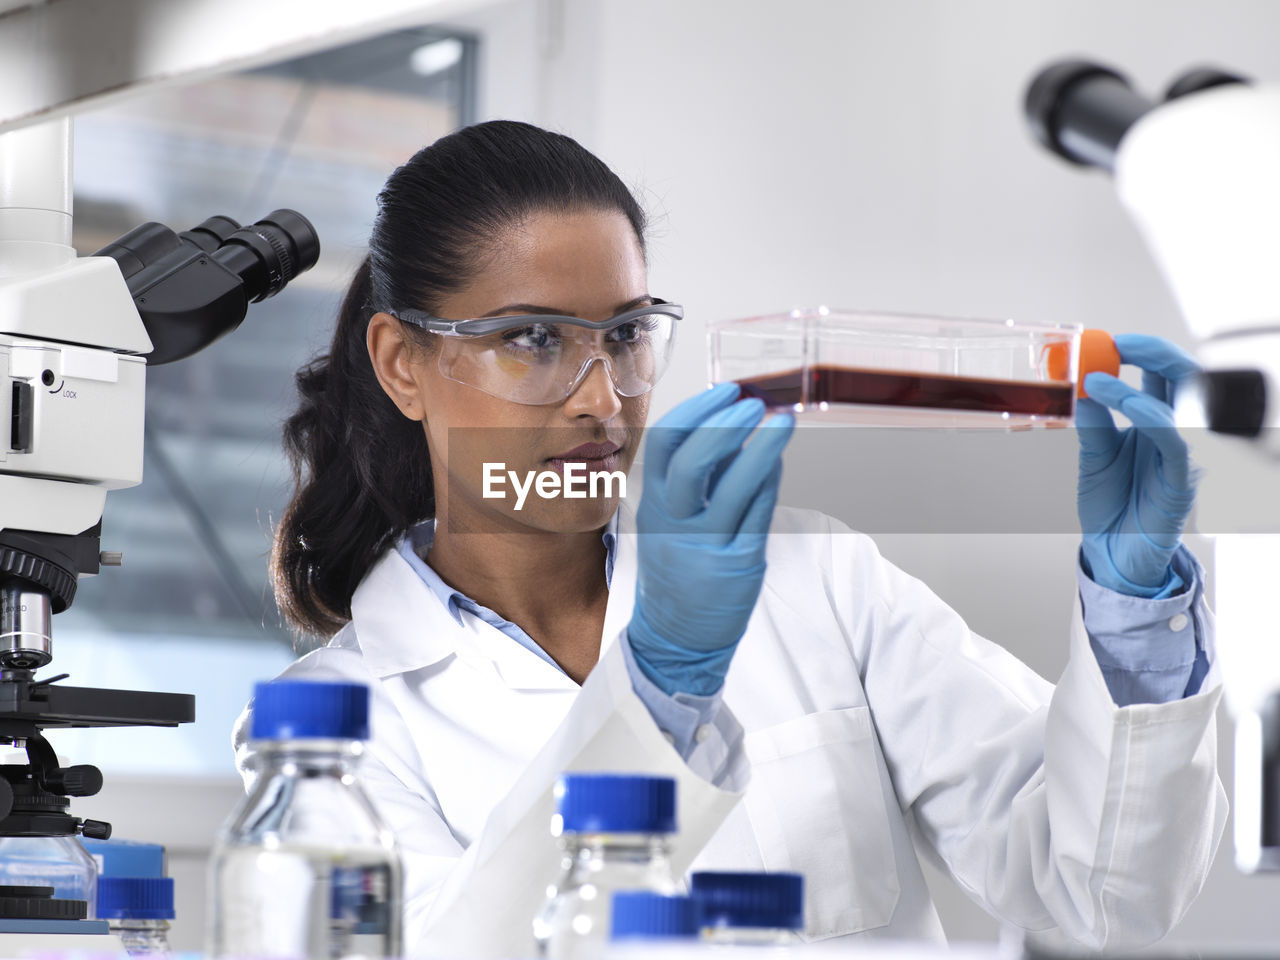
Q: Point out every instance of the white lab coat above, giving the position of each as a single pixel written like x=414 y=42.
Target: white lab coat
x=862 y=722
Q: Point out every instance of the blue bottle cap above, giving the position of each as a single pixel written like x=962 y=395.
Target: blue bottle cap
x=126 y=858
x=314 y=710
x=614 y=803
x=135 y=898
x=773 y=900
x=642 y=913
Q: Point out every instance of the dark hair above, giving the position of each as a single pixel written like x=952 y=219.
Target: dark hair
x=360 y=468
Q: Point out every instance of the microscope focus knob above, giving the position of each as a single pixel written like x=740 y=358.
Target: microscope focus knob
x=95 y=830
x=82 y=780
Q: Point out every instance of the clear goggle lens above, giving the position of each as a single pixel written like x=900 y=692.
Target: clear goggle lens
x=540 y=362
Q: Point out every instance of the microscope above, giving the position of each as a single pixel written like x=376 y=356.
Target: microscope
x=1196 y=172
x=76 y=337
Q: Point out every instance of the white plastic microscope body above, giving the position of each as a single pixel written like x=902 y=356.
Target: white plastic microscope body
x=1200 y=176
x=71 y=384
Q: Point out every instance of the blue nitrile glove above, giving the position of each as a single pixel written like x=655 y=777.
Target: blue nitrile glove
x=703 y=523
x=1137 y=485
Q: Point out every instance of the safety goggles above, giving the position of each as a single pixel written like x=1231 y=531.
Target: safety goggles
x=543 y=358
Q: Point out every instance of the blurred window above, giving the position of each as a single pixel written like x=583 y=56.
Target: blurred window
x=318 y=134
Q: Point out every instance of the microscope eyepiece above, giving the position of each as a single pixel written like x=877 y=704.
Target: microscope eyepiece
x=268 y=254
x=1080 y=110
x=212 y=233
x=1201 y=78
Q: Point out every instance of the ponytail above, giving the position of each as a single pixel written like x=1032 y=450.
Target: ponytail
x=360 y=473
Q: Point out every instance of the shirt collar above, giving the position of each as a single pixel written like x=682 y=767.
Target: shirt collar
x=400 y=627
x=417 y=542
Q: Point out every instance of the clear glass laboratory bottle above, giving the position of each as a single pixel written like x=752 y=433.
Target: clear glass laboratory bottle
x=58 y=862
x=138 y=910
x=615 y=834
x=304 y=867
x=746 y=909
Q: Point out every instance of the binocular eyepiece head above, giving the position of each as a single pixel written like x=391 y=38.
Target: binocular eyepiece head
x=194 y=287
x=1080 y=109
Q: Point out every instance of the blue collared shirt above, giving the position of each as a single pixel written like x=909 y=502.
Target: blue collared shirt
x=1150 y=651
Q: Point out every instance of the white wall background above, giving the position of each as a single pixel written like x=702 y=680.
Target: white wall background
x=871 y=154
x=860 y=153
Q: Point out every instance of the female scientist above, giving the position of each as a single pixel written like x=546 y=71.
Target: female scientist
x=821 y=710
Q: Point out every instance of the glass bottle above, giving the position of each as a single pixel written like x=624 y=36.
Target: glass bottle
x=746 y=909
x=304 y=867
x=615 y=834
x=57 y=862
x=138 y=910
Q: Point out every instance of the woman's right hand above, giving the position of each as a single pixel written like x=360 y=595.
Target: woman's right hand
x=703 y=524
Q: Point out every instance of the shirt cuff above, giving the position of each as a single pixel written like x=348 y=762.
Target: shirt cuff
x=1149 y=650
x=684 y=718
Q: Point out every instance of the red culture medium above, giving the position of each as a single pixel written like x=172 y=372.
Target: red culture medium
x=832 y=384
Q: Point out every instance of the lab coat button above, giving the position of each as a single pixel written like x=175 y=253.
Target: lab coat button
x=1177 y=622
x=670 y=737
x=700 y=735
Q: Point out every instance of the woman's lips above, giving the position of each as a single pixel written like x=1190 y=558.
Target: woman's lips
x=589 y=451
x=595 y=458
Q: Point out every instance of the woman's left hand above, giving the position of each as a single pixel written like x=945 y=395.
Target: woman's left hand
x=1137 y=485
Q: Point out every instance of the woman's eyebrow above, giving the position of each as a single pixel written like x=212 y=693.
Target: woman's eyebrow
x=554 y=311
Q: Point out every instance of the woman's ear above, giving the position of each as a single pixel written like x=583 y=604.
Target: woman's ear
x=391 y=355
